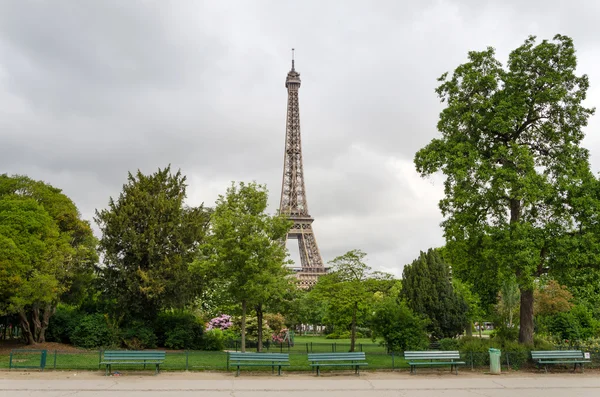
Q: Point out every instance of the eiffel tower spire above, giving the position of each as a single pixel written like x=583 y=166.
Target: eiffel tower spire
x=293 y=192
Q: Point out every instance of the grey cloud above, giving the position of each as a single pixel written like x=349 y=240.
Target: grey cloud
x=90 y=90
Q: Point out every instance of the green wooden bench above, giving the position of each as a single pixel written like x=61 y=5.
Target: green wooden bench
x=545 y=357
x=352 y=359
x=258 y=360
x=432 y=358
x=141 y=357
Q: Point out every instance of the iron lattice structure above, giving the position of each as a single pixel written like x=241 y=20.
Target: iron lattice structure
x=293 y=191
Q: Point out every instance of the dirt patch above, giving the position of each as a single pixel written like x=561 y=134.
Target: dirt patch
x=7 y=346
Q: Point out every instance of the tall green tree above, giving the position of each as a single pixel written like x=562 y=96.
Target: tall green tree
x=428 y=291
x=518 y=183
x=244 y=249
x=349 y=289
x=149 y=238
x=58 y=272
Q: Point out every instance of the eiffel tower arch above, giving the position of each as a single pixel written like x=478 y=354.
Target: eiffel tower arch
x=293 y=191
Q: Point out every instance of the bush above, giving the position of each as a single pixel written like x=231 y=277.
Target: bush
x=518 y=354
x=94 y=331
x=138 y=335
x=62 y=324
x=448 y=344
x=179 y=330
x=213 y=340
x=510 y=334
x=276 y=322
x=399 y=327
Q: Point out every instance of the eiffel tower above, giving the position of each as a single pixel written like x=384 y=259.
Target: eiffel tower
x=293 y=192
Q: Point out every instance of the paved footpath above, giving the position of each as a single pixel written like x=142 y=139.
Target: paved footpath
x=55 y=384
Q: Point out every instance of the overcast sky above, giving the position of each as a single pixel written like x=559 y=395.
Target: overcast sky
x=90 y=90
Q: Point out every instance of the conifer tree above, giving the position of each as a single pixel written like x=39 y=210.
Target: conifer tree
x=428 y=290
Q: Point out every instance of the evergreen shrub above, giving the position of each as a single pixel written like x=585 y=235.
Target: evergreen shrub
x=94 y=331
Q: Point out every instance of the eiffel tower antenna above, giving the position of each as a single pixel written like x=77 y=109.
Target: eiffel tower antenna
x=293 y=192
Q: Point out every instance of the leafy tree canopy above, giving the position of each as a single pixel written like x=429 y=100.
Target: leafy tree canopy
x=149 y=238
x=244 y=249
x=47 y=252
x=519 y=194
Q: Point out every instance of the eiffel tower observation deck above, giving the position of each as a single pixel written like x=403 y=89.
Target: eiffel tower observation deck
x=293 y=191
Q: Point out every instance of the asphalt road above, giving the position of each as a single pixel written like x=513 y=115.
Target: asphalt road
x=347 y=385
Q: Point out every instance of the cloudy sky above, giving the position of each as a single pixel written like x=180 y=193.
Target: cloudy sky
x=90 y=90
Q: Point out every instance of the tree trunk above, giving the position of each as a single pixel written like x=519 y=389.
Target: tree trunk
x=526 y=327
x=49 y=310
x=243 y=347
x=353 y=329
x=26 y=328
x=469 y=330
x=35 y=322
x=259 y=318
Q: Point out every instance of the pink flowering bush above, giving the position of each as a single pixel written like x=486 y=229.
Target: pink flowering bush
x=222 y=322
x=278 y=337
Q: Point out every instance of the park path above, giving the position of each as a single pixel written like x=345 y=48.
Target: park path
x=295 y=385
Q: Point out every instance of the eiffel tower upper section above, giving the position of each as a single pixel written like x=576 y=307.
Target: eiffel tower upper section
x=293 y=191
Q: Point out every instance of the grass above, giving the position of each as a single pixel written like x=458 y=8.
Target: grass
x=217 y=361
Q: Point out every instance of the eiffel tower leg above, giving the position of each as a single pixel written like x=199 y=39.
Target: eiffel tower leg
x=310 y=257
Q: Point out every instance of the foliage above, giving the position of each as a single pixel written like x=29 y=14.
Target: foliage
x=508 y=302
x=178 y=330
x=251 y=327
x=46 y=252
x=63 y=323
x=400 y=328
x=138 y=335
x=519 y=196
x=349 y=291
x=576 y=324
x=275 y=322
x=94 y=331
x=448 y=344
x=214 y=340
x=221 y=322
x=505 y=333
x=149 y=238
x=475 y=311
x=552 y=298
x=244 y=250
x=427 y=289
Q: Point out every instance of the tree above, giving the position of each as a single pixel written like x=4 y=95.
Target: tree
x=348 y=290
x=428 y=291
x=518 y=183
x=149 y=238
x=508 y=299
x=475 y=312
x=39 y=215
x=552 y=298
x=244 y=247
x=400 y=328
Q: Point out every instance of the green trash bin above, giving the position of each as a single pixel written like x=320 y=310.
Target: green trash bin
x=495 y=361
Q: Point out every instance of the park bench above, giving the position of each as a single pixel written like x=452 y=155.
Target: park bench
x=545 y=357
x=432 y=358
x=258 y=360
x=132 y=357
x=352 y=359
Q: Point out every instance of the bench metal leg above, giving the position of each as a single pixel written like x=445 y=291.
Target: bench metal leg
x=318 y=371
x=279 y=371
x=238 y=371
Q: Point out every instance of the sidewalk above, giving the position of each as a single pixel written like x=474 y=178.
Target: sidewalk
x=376 y=384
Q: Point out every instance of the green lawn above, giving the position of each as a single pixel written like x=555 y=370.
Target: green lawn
x=216 y=361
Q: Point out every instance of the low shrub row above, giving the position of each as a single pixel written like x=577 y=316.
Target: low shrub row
x=172 y=330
